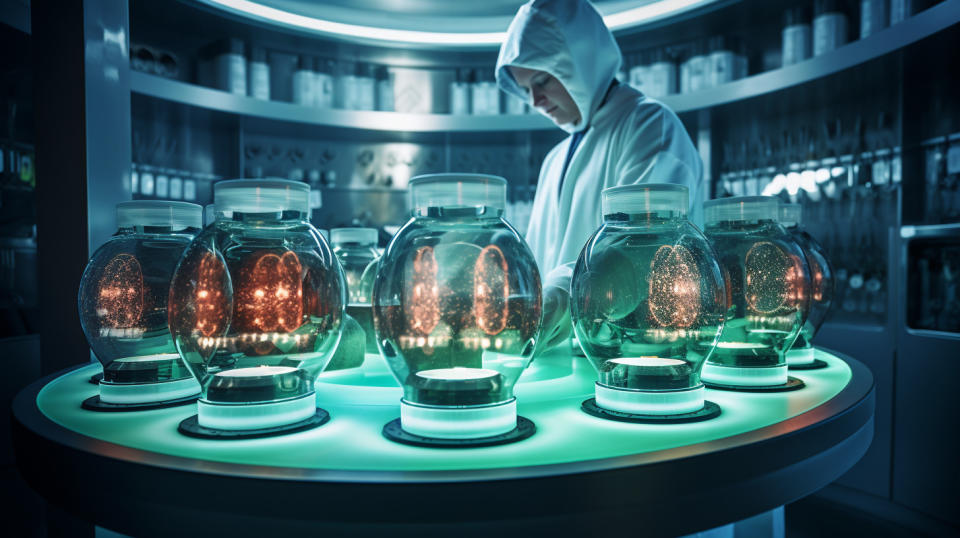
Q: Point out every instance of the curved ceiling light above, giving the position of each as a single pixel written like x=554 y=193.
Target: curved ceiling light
x=615 y=20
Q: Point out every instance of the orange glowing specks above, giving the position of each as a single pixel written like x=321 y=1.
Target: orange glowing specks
x=269 y=294
x=422 y=292
x=120 y=300
x=211 y=304
x=674 y=287
x=491 y=290
x=770 y=276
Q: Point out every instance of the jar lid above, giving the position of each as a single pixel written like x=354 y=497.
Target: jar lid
x=364 y=236
x=791 y=214
x=261 y=196
x=645 y=198
x=160 y=213
x=741 y=209
x=458 y=190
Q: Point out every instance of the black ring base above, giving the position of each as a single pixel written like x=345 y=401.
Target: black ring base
x=815 y=365
x=710 y=410
x=95 y=379
x=792 y=384
x=94 y=403
x=191 y=428
x=394 y=432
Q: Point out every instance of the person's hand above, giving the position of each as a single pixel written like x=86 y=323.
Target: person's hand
x=555 y=325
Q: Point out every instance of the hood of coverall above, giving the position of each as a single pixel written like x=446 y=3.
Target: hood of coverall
x=569 y=40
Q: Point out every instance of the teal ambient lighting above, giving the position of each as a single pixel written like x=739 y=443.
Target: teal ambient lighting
x=457 y=308
x=256 y=307
x=769 y=287
x=123 y=304
x=549 y=393
x=648 y=302
x=821 y=285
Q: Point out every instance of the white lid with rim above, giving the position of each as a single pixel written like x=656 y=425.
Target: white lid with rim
x=646 y=198
x=457 y=190
x=791 y=214
x=364 y=236
x=741 y=209
x=261 y=196
x=160 y=213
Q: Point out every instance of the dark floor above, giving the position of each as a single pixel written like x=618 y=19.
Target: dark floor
x=817 y=517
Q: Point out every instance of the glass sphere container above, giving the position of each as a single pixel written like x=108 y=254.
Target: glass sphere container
x=821 y=284
x=256 y=307
x=456 y=306
x=356 y=248
x=768 y=291
x=123 y=303
x=648 y=302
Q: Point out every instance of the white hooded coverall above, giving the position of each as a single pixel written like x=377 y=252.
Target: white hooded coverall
x=629 y=139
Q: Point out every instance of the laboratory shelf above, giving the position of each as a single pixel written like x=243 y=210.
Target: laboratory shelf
x=890 y=39
x=893 y=38
x=218 y=100
x=134 y=473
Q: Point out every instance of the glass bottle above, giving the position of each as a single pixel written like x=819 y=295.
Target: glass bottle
x=821 y=284
x=123 y=303
x=456 y=304
x=796 y=35
x=648 y=302
x=356 y=248
x=256 y=306
x=768 y=291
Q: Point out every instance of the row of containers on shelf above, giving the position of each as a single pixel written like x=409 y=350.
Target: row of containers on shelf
x=247 y=311
x=238 y=67
x=711 y=62
x=314 y=81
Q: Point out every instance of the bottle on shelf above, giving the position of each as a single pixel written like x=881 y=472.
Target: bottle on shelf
x=693 y=72
x=513 y=104
x=346 y=93
x=176 y=185
x=259 y=74
x=146 y=180
x=662 y=74
x=484 y=94
x=303 y=82
x=873 y=17
x=366 y=87
x=726 y=63
x=796 y=36
x=460 y=92
x=134 y=176
x=829 y=26
x=224 y=66
x=323 y=83
x=900 y=10
x=384 y=89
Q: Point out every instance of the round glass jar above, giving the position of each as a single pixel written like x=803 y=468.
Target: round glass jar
x=768 y=291
x=123 y=303
x=256 y=306
x=648 y=302
x=356 y=248
x=821 y=284
x=456 y=305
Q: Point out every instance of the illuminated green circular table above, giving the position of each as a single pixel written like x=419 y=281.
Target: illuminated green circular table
x=134 y=473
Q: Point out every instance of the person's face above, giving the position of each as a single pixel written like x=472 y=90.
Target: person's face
x=547 y=95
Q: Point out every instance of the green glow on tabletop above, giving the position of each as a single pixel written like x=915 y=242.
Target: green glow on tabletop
x=549 y=393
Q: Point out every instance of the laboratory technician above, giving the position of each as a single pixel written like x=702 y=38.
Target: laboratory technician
x=560 y=57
